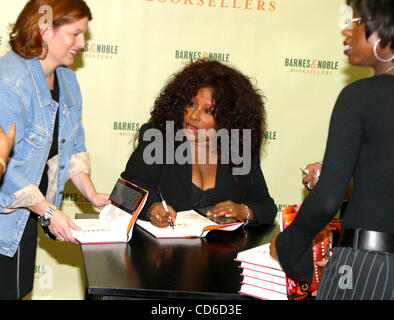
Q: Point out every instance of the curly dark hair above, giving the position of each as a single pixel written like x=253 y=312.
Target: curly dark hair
x=237 y=103
x=381 y=14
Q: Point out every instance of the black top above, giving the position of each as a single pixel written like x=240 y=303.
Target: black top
x=175 y=182
x=54 y=147
x=360 y=145
x=202 y=198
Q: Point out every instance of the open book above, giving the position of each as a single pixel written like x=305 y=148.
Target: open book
x=188 y=224
x=116 y=221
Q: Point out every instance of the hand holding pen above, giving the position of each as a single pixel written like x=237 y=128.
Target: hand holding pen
x=160 y=214
x=164 y=203
x=311 y=174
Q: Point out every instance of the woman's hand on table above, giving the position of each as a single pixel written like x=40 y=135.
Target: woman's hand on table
x=230 y=209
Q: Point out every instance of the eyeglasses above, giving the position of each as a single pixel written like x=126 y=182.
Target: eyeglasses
x=358 y=21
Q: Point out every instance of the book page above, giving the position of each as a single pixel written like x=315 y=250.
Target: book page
x=268 y=270
x=261 y=293
x=95 y=231
x=191 y=220
x=264 y=284
x=115 y=218
x=111 y=226
x=265 y=276
x=260 y=256
x=187 y=224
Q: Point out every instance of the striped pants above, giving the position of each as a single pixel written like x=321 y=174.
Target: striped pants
x=357 y=275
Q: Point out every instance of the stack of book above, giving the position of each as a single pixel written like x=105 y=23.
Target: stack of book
x=263 y=277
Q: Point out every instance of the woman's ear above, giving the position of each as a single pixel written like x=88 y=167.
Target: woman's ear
x=46 y=32
x=374 y=36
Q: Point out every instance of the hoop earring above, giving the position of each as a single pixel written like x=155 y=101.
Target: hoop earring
x=375 y=53
x=44 y=51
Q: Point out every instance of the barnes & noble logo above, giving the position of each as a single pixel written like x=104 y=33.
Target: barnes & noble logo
x=188 y=55
x=311 y=66
x=126 y=128
x=99 y=51
x=270 y=136
x=251 y=5
x=43 y=276
x=74 y=199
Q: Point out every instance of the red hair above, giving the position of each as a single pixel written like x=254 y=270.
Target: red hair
x=25 y=38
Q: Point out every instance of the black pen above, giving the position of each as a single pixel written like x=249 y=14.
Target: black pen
x=164 y=203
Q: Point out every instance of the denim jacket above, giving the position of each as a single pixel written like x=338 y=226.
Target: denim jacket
x=25 y=99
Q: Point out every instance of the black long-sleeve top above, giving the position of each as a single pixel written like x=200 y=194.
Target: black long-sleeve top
x=360 y=145
x=175 y=181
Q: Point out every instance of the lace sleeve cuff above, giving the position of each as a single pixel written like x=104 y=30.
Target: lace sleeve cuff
x=80 y=162
x=26 y=197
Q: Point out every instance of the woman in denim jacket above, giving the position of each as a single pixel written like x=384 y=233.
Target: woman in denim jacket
x=42 y=97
